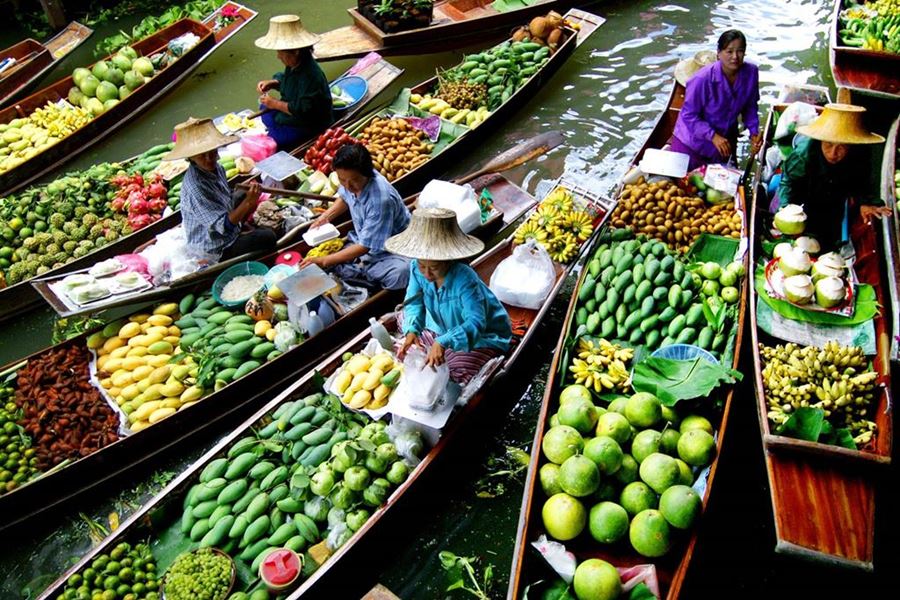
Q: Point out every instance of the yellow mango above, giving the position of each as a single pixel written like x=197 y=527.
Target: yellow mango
x=261 y=328
x=158 y=360
x=373 y=378
x=184 y=405
x=358 y=364
x=348 y=395
x=158 y=330
x=160 y=320
x=160 y=347
x=171 y=403
x=136 y=351
x=142 y=424
x=360 y=399
x=383 y=362
x=95 y=340
x=342 y=381
x=121 y=352
x=142 y=372
x=160 y=374
x=129 y=330
x=192 y=394
x=121 y=378
x=113 y=364
x=139 y=318
x=174 y=330
x=167 y=309
x=113 y=343
x=180 y=372
x=130 y=392
x=153 y=391
x=172 y=339
x=116 y=393
x=106 y=382
x=144 y=410
x=270 y=335
x=137 y=341
x=101 y=360
x=145 y=326
x=381 y=392
x=357 y=382
x=161 y=413
x=127 y=407
x=376 y=404
x=150 y=339
x=130 y=363
x=143 y=384
x=172 y=388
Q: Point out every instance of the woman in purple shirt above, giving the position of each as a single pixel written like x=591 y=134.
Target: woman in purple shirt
x=716 y=96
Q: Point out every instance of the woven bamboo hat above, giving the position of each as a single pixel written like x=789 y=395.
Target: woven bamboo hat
x=196 y=136
x=434 y=234
x=686 y=68
x=286 y=32
x=840 y=124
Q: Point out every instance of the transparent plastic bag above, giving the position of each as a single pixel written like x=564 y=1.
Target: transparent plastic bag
x=525 y=278
x=338 y=536
x=296 y=215
x=286 y=336
x=407 y=439
x=795 y=115
x=423 y=386
x=560 y=560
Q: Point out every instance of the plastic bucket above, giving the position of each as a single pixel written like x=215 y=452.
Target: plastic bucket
x=354 y=86
x=244 y=268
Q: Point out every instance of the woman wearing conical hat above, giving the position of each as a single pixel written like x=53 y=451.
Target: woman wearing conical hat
x=449 y=310
x=304 y=109
x=718 y=92
x=825 y=169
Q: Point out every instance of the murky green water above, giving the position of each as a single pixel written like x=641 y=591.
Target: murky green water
x=605 y=100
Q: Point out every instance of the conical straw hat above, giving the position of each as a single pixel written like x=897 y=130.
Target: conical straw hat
x=196 y=136
x=286 y=32
x=434 y=234
x=686 y=68
x=840 y=124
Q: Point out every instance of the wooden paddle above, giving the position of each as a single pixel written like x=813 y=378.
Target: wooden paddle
x=293 y=193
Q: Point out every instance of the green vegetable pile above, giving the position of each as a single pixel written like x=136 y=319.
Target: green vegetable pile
x=200 y=575
x=126 y=572
x=18 y=462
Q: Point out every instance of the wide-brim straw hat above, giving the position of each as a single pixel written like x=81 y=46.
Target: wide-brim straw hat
x=286 y=32
x=840 y=124
x=196 y=136
x=434 y=234
x=686 y=68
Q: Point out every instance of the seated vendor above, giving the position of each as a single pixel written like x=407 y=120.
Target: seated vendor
x=210 y=215
x=716 y=96
x=825 y=169
x=449 y=310
x=377 y=212
x=304 y=109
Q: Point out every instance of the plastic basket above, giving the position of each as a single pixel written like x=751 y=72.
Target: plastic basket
x=354 y=86
x=684 y=352
x=244 y=268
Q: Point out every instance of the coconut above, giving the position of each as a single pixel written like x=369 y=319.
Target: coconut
x=790 y=219
x=799 y=289
x=781 y=249
x=539 y=27
x=807 y=243
x=830 y=291
x=794 y=262
x=244 y=164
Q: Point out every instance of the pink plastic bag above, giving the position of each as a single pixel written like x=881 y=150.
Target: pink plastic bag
x=258 y=147
x=135 y=263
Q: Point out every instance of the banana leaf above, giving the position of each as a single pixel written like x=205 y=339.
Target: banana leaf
x=674 y=380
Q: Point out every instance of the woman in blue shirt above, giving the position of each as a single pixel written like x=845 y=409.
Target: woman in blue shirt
x=449 y=310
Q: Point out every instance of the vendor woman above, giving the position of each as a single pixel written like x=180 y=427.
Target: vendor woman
x=304 y=109
x=716 y=95
x=825 y=169
x=377 y=212
x=210 y=214
x=449 y=310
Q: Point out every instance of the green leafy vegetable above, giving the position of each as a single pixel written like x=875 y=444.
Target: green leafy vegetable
x=808 y=423
x=673 y=380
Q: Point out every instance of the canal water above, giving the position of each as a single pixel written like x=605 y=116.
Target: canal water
x=605 y=100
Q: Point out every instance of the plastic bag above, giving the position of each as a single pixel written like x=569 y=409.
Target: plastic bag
x=795 y=115
x=458 y=198
x=422 y=385
x=560 y=560
x=338 y=536
x=525 y=278
x=285 y=336
x=407 y=439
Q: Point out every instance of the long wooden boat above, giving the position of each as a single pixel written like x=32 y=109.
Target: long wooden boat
x=890 y=229
x=823 y=496
x=528 y=568
x=336 y=565
x=455 y=23
x=859 y=69
x=34 y=59
x=163 y=82
x=82 y=475
x=22 y=297
x=419 y=176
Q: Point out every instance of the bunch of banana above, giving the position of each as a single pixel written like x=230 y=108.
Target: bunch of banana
x=235 y=122
x=367 y=381
x=558 y=225
x=529 y=230
x=326 y=248
x=562 y=247
x=834 y=378
x=602 y=365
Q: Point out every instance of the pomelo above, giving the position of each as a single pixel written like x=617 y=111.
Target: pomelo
x=579 y=476
x=564 y=517
x=115 y=76
x=659 y=471
x=107 y=91
x=668 y=443
x=696 y=422
x=554 y=420
x=549 y=474
x=645 y=443
x=600 y=411
x=649 y=533
x=133 y=80
x=614 y=425
x=596 y=579
x=670 y=416
x=696 y=447
x=636 y=497
x=143 y=66
x=628 y=472
x=75 y=96
x=685 y=474
x=124 y=92
x=79 y=74
x=121 y=62
x=110 y=103
x=575 y=390
x=561 y=442
x=606 y=454
x=608 y=522
x=578 y=413
x=608 y=490
x=99 y=69
x=94 y=106
x=128 y=51
x=680 y=505
x=618 y=405
x=88 y=85
x=643 y=410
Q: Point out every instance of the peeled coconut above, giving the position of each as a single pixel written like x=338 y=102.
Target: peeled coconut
x=828 y=265
x=794 y=262
x=807 y=243
x=791 y=219
x=799 y=289
x=782 y=249
x=244 y=164
x=830 y=292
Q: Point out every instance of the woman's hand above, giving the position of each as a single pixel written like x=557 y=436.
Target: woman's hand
x=408 y=341
x=322 y=219
x=435 y=356
x=264 y=86
x=721 y=145
x=755 y=143
x=320 y=261
x=867 y=211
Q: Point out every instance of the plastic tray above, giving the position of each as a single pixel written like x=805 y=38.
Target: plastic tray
x=684 y=352
x=354 y=86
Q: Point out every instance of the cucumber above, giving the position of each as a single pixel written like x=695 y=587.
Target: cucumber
x=240 y=465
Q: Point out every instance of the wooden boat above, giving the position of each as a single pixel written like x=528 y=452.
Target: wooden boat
x=21 y=297
x=332 y=574
x=82 y=475
x=823 y=496
x=419 y=176
x=528 y=568
x=890 y=229
x=858 y=69
x=34 y=59
x=455 y=23
x=96 y=129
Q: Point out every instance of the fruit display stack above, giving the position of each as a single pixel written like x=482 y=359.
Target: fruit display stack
x=110 y=81
x=367 y=381
x=560 y=224
x=871 y=25
x=125 y=573
x=622 y=473
x=23 y=138
x=18 y=463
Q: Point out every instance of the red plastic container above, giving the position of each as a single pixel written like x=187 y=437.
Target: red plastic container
x=279 y=569
x=258 y=147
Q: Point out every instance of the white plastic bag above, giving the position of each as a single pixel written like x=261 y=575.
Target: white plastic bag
x=458 y=198
x=525 y=278
x=795 y=115
x=285 y=336
x=407 y=439
x=422 y=385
